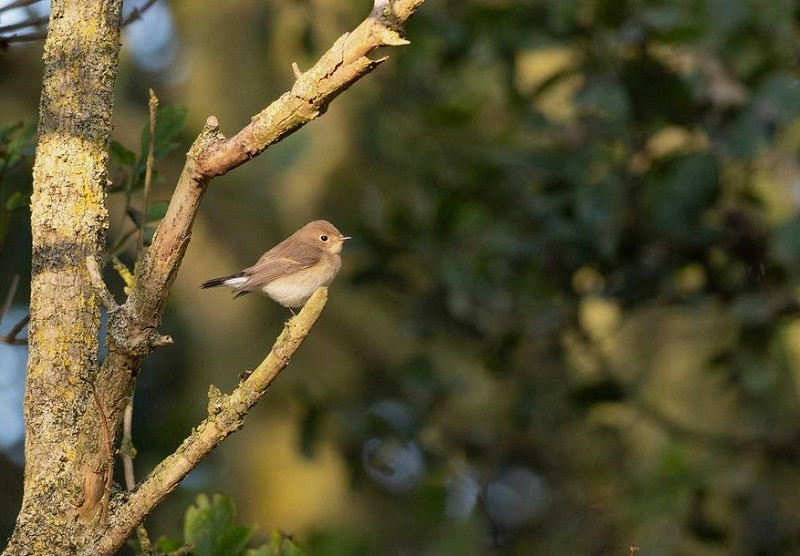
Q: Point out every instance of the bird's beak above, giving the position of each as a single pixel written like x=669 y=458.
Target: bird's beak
x=345 y=238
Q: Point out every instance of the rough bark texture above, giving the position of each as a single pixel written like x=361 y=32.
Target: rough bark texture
x=66 y=457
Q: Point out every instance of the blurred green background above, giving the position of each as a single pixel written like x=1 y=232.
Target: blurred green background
x=568 y=321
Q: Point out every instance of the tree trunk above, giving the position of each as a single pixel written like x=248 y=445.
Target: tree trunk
x=66 y=447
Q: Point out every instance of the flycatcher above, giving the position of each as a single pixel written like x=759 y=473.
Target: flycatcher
x=292 y=270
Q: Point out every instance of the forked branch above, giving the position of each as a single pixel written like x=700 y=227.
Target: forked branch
x=225 y=416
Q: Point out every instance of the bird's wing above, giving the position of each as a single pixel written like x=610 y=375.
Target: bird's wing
x=280 y=261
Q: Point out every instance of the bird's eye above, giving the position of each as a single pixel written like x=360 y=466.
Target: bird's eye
x=324 y=238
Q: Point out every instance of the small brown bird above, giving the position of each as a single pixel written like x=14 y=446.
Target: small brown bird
x=292 y=270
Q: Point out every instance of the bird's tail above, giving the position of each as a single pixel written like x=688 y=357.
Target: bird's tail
x=234 y=280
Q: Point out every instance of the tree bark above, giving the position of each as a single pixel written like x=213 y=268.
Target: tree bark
x=66 y=454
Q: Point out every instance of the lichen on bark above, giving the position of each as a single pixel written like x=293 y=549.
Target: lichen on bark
x=65 y=451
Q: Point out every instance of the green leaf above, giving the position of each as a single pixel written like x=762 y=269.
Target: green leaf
x=7 y=131
x=338 y=543
x=309 y=428
x=209 y=527
x=170 y=121
x=657 y=93
x=785 y=244
x=234 y=541
x=16 y=144
x=279 y=545
x=679 y=190
x=121 y=155
x=262 y=550
x=605 y=101
x=165 y=544
x=22 y=143
x=290 y=549
x=149 y=233
x=156 y=210
x=17 y=201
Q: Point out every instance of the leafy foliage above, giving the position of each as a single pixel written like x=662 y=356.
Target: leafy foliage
x=595 y=202
x=16 y=146
x=209 y=527
x=129 y=170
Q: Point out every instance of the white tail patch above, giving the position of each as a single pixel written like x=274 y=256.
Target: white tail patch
x=234 y=282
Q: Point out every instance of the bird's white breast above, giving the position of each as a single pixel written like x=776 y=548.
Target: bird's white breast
x=293 y=290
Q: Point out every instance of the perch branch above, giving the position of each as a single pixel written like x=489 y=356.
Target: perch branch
x=226 y=415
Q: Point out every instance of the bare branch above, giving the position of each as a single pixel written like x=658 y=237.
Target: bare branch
x=100 y=289
x=226 y=415
x=148 y=170
x=31 y=37
x=30 y=22
x=136 y=13
x=128 y=452
x=17 y=4
x=126 y=449
x=12 y=291
x=344 y=64
x=11 y=337
x=187 y=548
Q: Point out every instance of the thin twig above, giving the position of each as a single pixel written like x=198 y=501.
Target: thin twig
x=12 y=291
x=119 y=244
x=30 y=22
x=99 y=286
x=128 y=452
x=30 y=37
x=148 y=172
x=187 y=548
x=136 y=13
x=11 y=337
x=126 y=447
x=17 y=4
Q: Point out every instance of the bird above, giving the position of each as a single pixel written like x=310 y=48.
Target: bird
x=292 y=270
